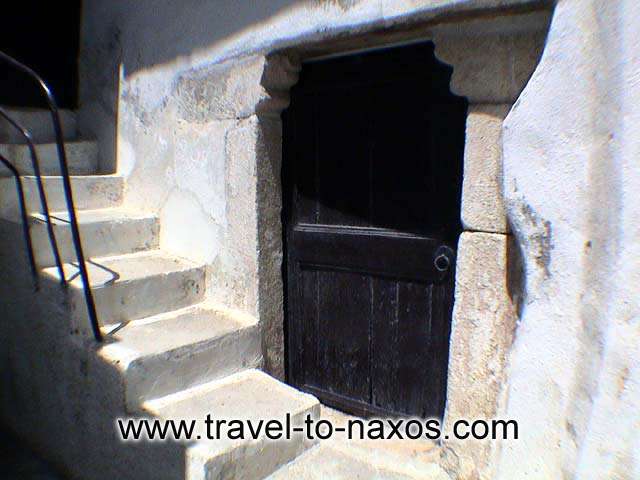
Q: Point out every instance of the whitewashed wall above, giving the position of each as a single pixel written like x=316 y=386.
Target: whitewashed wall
x=572 y=182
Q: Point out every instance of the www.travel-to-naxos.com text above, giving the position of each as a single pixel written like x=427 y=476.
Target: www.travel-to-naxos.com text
x=211 y=428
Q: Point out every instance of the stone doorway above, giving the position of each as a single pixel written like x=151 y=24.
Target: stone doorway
x=492 y=57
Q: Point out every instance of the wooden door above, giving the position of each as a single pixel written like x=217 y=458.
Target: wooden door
x=373 y=147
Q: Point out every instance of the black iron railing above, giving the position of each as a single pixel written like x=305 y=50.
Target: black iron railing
x=35 y=163
x=24 y=218
x=66 y=182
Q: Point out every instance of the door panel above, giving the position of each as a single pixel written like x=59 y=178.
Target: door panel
x=372 y=171
x=369 y=250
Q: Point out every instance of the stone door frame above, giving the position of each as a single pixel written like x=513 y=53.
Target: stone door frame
x=492 y=58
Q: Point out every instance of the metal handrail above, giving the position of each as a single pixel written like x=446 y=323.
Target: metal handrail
x=35 y=162
x=25 y=219
x=64 y=171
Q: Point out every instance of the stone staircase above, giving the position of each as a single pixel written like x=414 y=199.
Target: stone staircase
x=177 y=355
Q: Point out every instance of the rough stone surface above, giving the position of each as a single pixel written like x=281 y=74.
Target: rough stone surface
x=134 y=286
x=250 y=395
x=174 y=351
x=326 y=462
x=482 y=197
x=236 y=272
x=251 y=275
x=89 y=192
x=481 y=336
x=229 y=90
x=270 y=248
x=415 y=458
x=104 y=232
x=490 y=68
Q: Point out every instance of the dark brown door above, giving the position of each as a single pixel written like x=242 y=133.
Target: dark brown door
x=372 y=174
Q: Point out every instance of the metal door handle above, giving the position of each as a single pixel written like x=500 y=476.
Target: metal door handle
x=442 y=262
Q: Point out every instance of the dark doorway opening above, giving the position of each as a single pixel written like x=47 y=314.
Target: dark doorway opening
x=372 y=174
x=44 y=36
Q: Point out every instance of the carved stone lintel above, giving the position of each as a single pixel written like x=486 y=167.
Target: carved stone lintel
x=490 y=68
x=236 y=88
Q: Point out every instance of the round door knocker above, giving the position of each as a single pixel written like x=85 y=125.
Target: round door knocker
x=442 y=263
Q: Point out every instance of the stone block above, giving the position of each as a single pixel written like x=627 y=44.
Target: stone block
x=190 y=347
x=236 y=88
x=482 y=198
x=249 y=277
x=104 y=232
x=481 y=336
x=490 y=68
x=481 y=292
x=269 y=202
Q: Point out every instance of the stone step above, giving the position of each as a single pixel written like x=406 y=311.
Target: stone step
x=405 y=456
x=90 y=192
x=175 y=351
x=107 y=231
x=82 y=158
x=249 y=395
x=38 y=122
x=133 y=286
x=323 y=461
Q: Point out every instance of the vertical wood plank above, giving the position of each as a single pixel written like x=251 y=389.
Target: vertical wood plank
x=344 y=304
x=384 y=339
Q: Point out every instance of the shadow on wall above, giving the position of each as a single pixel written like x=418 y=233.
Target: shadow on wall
x=129 y=37
x=516 y=277
x=157 y=32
